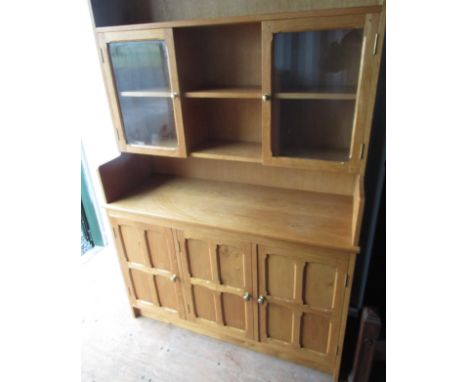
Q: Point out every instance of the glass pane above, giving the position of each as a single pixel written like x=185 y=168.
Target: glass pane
x=315 y=129
x=143 y=88
x=148 y=121
x=315 y=78
x=317 y=60
x=140 y=65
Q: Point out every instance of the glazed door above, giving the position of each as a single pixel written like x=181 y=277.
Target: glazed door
x=147 y=257
x=217 y=279
x=300 y=301
x=315 y=84
x=143 y=88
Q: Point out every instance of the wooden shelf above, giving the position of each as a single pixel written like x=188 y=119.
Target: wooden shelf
x=155 y=93
x=230 y=150
x=244 y=92
x=316 y=95
x=305 y=217
x=327 y=154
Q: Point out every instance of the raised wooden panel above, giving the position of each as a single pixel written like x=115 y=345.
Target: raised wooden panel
x=319 y=285
x=217 y=273
x=279 y=323
x=280 y=276
x=315 y=333
x=167 y=292
x=203 y=303
x=234 y=311
x=198 y=259
x=157 y=247
x=144 y=287
x=131 y=238
x=231 y=262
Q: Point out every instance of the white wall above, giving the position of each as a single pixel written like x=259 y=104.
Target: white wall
x=97 y=133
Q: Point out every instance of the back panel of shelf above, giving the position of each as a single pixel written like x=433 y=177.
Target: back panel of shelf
x=227 y=128
x=219 y=57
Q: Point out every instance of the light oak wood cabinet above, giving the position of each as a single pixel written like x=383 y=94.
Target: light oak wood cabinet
x=236 y=203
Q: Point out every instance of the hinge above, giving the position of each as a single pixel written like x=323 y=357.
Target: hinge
x=113 y=230
x=178 y=246
x=376 y=44
x=188 y=308
x=361 y=151
x=101 y=54
x=118 y=134
x=346 y=280
x=337 y=350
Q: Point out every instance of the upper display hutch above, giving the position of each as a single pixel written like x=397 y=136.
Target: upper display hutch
x=244 y=127
x=285 y=90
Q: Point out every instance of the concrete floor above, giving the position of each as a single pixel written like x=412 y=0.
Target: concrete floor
x=118 y=348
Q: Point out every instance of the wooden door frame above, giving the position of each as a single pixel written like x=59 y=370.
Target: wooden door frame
x=148 y=267
x=301 y=255
x=361 y=122
x=165 y=34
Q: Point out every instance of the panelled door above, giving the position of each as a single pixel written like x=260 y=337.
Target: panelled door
x=143 y=88
x=217 y=279
x=147 y=257
x=300 y=301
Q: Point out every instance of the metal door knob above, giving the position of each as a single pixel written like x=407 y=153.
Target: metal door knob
x=174 y=95
x=173 y=278
x=261 y=300
x=266 y=97
x=246 y=296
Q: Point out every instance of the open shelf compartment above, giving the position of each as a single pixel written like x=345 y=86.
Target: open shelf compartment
x=226 y=129
x=132 y=185
x=219 y=61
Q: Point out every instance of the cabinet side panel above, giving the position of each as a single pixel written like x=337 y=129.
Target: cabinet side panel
x=122 y=174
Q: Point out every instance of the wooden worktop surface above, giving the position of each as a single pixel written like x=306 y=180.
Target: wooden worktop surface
x=300 y=216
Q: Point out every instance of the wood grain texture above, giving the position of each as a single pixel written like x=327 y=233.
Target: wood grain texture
x=253 y=92
x=229 y=150
x=148 y=257
x=122 y=174
x=303 y=293
x=358 y=208
x=256 y=174
x=213 y=289
x=311 y=218
x=311 y=95
x=214 y=57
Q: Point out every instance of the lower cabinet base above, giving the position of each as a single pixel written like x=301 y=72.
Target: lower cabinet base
x=251 y=344
x=284 y=299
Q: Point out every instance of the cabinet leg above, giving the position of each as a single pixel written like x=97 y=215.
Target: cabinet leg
x=136 y=312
